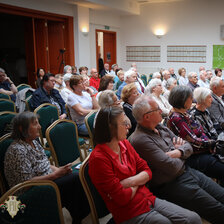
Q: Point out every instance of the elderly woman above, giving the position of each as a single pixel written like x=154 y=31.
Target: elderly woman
x=189 y=129
x=129 y=95
x=120 y=175
x=80 y=102
x=170 y=84
x=155 y=89
x=108 y=98
x=156 y=75
x=25 y=160
x=106 y=83
x=67 y=69
x=183 y=80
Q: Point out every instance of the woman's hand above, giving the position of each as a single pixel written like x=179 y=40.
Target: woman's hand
x=89 y=90
x=63 y=170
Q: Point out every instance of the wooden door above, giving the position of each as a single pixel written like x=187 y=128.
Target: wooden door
x=56 y=45
x=109 y=48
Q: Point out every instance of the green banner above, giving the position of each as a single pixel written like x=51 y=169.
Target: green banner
x=218 y=56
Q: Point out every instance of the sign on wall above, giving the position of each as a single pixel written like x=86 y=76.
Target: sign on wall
x=143 y=53
x=218 y=56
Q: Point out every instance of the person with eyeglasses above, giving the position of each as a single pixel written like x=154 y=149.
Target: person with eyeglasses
x=120 y=175
x=172 y=178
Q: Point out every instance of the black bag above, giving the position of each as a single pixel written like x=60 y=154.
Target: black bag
x=220 y=147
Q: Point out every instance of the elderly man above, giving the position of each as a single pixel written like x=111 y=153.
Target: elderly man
x=129 y=77
x=172 y=73
x=192 y=80
x=209 y=75
x=7 y=86
x=217 y=107
x=202 y=82
x=166 y=155
x=201 y=68
x=47 y=94
x=105 y=70
x=166 y=76
x=94 y=80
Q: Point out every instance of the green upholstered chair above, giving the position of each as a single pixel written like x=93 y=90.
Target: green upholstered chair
x=97 y=206
x=144 y=79
x=23 y=86
x=5 y=142
x=62 y=137
x=6 y=121
x=40 y=202
x=4 y=96
x=89 y=121
x=27 y=108
x=7 y=105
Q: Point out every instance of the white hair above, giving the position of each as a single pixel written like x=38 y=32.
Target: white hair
x=215 y=81
x=190 y=74
x=165 y=72
x=155 y=75
x=169 y=82
x=201 y=93
x=106 y=98
x=128 y=74
x=152 y=84
x=201 y=72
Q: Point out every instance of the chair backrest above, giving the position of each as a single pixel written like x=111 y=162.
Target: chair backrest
x=68 y=112
x=5 y=142
x=62 y=137
x=96 y=203
x=4 y=96
x=48 y=113
x=89 y=121
x=41 y=200
x=6 y=121
x=144 y=79
x=7 y=105
x=23 y=86
x=27 y=108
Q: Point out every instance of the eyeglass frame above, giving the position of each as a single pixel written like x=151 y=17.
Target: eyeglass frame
x=158 y=108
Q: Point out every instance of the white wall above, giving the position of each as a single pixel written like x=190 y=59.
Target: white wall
x=191 y=22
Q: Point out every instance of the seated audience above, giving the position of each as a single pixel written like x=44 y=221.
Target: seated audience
x=106 y=83
x=67 y=90
x=47 y=94
x=166 y=153
x=94 y=81
x=114 y=67
x=40 y=74
x=201 y=68
x=108 y=98
x=183 y=80
x=59 y=82
x=120 y=175
x=130 y=76
x=170 y=84
x=139 y=83
x=166 y=76
x=156 y=75
x=218 y=72
x=202 y=82
x=74 y=70
x=83 y=71
x=25 y=160
x=217 y=107
x=209 y=75
x=7 y=86
x=179 y=121
x=155 y=89
x=172 y=73
x=192 y=80
x=120 y=75
x=67 y=69
x=105 y=70
x=129 y=95
x=80 y=102
x=200 y=113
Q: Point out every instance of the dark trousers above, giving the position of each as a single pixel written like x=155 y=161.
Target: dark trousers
x=195 y=191
x=207 y=164
x=73 y=196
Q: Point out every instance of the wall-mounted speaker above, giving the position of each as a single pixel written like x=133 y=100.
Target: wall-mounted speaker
x=222 y=32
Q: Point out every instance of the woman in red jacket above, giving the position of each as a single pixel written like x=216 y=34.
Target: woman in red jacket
x=120 y=175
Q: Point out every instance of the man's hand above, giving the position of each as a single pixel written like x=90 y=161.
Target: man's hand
x=63 y=116
x=177 y=143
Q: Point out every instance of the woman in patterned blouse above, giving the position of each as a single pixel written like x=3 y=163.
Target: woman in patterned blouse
x=184 y=126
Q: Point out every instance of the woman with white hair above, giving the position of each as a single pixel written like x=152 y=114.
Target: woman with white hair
x=108 y=98
x=200 y=113
x=155 y=89
x=170 y=84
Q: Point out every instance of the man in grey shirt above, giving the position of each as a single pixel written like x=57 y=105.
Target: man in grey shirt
x=171 y=178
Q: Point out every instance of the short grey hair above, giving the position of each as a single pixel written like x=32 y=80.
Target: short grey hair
x=2 y=70
x=152 y=84
x=201 y=93
x=128 y=74
x=215 y=81
x=169 y=82
x=202 y=72
x=106 y=98
x=66 y=68
x=190 y=74
x=140 y=107
x=165 y=72
x=155 y=75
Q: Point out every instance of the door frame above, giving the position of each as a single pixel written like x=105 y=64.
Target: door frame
x=97 y=52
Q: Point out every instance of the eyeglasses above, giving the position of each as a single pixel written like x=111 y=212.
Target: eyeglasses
x=158 y=108
x=126 y=123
